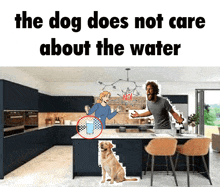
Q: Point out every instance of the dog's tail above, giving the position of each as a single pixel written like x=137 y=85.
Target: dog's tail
x=134 y=179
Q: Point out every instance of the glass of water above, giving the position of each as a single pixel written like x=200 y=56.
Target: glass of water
x=89 y=127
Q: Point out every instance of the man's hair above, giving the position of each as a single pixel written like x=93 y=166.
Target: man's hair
x=154 y=86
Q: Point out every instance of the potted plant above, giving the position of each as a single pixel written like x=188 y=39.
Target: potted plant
x=193 y=121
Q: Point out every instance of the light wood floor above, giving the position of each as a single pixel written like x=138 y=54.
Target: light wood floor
x=53 y=168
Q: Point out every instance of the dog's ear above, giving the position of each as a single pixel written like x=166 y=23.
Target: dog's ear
x=110 y=145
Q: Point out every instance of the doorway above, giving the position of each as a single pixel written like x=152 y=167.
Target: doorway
x=208 y=107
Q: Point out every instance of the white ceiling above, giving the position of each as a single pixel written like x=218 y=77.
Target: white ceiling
x=111 y=74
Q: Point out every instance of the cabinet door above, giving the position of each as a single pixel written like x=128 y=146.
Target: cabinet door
x=18 y=97
x=64 y=134
x=72 y=103
x=46 y=103
x=21 y=148
x=130 y=155
x=86 y=157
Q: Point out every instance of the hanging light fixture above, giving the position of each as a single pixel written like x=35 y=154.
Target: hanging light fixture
x=126 y=93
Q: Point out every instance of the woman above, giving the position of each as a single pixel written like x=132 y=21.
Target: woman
x=102 y=109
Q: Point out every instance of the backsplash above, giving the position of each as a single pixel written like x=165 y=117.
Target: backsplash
x=73 y=116
x=121 y=118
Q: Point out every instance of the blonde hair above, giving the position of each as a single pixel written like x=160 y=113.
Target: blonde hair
x=103 y=94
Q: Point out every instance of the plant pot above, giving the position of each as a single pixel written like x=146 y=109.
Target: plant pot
x=191 y=129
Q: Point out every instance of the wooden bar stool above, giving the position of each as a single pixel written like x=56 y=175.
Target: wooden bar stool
x=161 y=147
x=194 y=147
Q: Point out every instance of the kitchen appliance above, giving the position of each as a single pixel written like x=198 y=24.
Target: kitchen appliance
x=17 y=121
x=67 y=122
x=122 y=129
x=13 y=122
x=31 y=119
x=73 y=122
x=145 y=127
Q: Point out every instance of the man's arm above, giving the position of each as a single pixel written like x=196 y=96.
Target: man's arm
x=178 y=118
x=145 y=114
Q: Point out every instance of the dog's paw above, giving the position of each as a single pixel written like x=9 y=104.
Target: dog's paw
x=103 y=181
x=111 y=182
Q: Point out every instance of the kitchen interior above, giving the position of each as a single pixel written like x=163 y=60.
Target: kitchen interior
x=52 y=99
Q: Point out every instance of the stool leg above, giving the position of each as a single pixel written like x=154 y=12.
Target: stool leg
x=152 y=170
x=193 y=163
x=176 y=161
x=166 y=164
x=187 y=165
x=173 y=169
x=206 y=169
x=148 y=157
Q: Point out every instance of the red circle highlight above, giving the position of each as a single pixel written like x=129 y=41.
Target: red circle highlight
x=90 y=117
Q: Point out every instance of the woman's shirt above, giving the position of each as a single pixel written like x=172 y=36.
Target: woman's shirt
x=102 y=112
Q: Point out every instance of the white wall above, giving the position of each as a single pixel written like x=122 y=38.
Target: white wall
x=15 y=75
x=92 y=88
x=172 y=88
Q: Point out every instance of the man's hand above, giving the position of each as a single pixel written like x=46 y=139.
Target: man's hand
x=87 y=109
x=135 y=115
x=180 y=119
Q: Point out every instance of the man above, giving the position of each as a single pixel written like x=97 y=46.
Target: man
x=159 y=108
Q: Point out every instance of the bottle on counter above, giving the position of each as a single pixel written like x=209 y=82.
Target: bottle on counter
x=57 y=120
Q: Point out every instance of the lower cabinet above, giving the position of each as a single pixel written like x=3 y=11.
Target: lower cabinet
x=85 y=158
x=130 y=155
x=21 y=148
x=63 y=134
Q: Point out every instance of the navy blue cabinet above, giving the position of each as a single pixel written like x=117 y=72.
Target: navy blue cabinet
x=130 y=154
x=177 y=99
x=85 y=158
x=46 y=103
x=19 y=97
x=64 y=103
x=72 y=103
x=63 y=134
x=20 y=148
x=1 y=130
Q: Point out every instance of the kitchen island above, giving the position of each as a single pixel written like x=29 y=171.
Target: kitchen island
x=129 y=146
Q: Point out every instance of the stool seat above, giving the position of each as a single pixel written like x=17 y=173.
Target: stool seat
x=161 y=147
x=194 y=147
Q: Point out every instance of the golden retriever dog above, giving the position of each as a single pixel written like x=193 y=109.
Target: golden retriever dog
x=111 y=165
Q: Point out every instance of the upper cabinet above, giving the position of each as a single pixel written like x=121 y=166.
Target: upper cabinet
x=64 y=103
x=72 y=103
x=178 y=99
x=180 y=104
x=19 y=97
x=45 y=103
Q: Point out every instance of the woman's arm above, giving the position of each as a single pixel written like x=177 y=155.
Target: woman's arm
x=111 y=115
x=93 y=109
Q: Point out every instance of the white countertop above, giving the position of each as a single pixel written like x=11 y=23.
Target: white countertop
x=135 y=134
